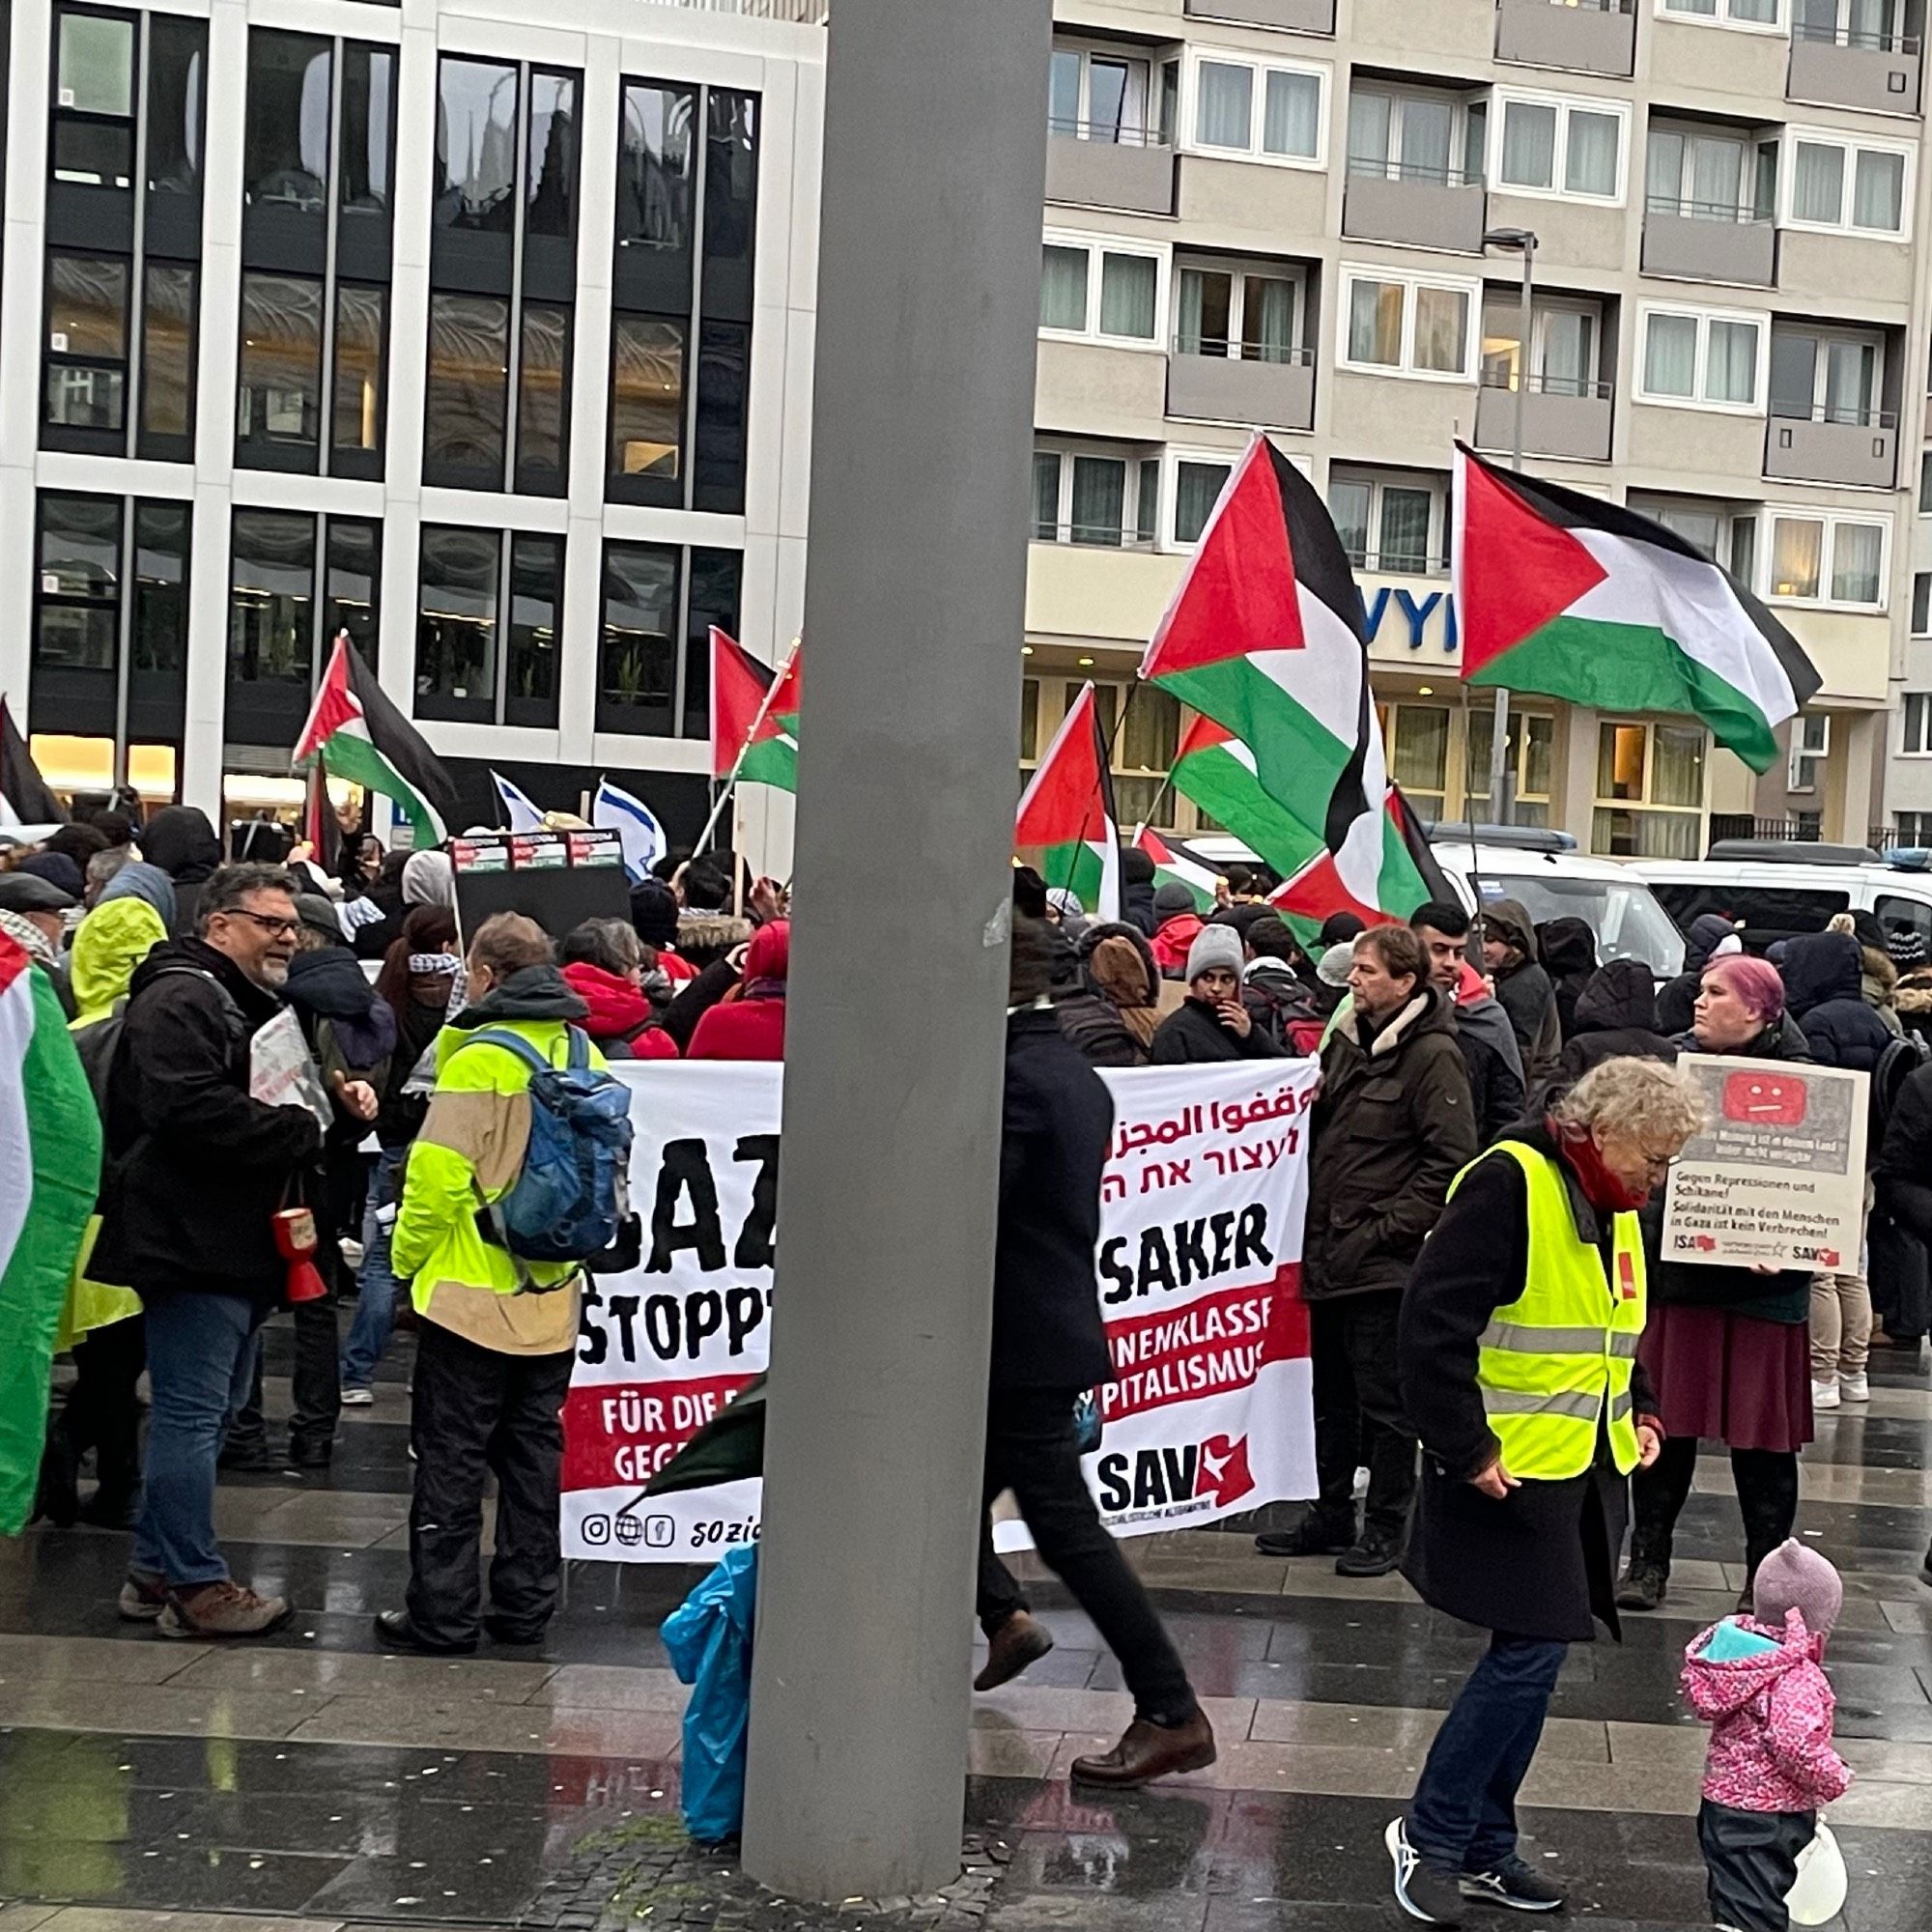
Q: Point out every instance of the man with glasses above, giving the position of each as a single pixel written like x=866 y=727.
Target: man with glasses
x=197 y=1170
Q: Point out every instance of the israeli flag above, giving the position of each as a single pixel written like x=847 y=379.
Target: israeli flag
x=523 y=816
x=635 y=823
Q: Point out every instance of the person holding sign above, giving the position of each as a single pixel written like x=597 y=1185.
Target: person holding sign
x=1727 y=1348
x=1518 y=1356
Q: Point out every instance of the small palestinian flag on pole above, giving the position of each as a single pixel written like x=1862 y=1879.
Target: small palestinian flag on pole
x=358 y=734
x=1307 y=897
x=1177 y=869
x=49 y=1173
x=1581 y=599
x=1066 y=828
x=1264 y=637
x=25 y=796
x=754 y=716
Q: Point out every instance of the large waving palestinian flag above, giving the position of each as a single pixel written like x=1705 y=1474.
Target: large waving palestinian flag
x=1213 y=768
x=753 y=722
x=1066 y=828
x=1265 y=638
x=49 y=1175
x=1178 y=869
x=359 y=735
x=1585 y=600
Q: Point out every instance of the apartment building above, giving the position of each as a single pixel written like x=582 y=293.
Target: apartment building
x=1307 y=214
x=481 y=331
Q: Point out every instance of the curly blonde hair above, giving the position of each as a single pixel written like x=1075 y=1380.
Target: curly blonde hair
x=1642 y=1098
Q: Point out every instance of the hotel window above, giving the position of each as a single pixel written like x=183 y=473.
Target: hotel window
x=1417 y=740
x=1702 y=359
x=1922 y=603
x=1141 y=740
x=653 y=661
x=1833 y=182
x=1925 y=484
x=1810 y=747
x=1827 y=376
x=316 y=233
x=121 y=279
x=1827 y=559
x=1250 y=314
x=1759 y=15
x=1708 y=174
x=1097 y=94
x=1096 y=497
x=1565 y=338
x=1650 y=791
x=1553 y=145
x=1396 y=134
x=1394 y=523
x=681 y=286
x=488 y=613
x=1529 y=757
x=1198 y=483
x=1917 y=741
x=1398 y=325
x=1102 y=291
x=1261 y=111
x=1724 y=533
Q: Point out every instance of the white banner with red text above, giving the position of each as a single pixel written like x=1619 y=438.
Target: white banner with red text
x=1199 y=1268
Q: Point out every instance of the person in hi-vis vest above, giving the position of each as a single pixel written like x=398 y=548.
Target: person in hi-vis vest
x=1517 y=1355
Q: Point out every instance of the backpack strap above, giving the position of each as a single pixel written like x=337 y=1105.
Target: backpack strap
x=580 y=1048
x=491 y=1211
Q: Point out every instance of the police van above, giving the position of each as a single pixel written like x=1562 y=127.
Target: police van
x=1781 y=887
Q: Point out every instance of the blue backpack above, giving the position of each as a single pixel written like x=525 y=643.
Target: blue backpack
x=566 y=1203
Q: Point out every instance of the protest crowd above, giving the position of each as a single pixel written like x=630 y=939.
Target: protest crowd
x=314 y=1088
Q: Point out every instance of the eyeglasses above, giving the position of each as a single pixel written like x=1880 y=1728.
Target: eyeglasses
x=279 y=928
x=1660 y=1161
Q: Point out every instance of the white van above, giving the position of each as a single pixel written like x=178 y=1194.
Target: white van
x=1545 y=872
x=1781 y=888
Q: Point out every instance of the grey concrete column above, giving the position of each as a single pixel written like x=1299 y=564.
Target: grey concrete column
x=915 y=604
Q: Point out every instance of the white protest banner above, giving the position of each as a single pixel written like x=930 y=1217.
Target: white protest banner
x=1778 y=1176
x=1198 y=1280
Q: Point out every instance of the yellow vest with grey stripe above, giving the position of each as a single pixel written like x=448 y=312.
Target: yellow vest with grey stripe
x=1552 y=1361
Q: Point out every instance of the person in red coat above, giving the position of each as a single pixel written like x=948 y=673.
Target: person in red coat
x=604 y=966
x=748 y=1022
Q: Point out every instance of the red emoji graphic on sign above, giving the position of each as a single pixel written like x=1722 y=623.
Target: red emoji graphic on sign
x=1224 y=1477
x=1765 y=1100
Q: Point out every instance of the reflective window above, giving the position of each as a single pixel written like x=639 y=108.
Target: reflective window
x=713 y=598
x=79 y=583
x=465 y=395
x=177 y=57
x=354 y=567
x=272 y=598
x=543 y=400
x=456 y=623
x=285 y=146
x=86 y=341
x=731 y=176
x=550 y=184
x=167 y=351
x=356 y=395
x=723 y=393
x=476 y=145
x=646 y=396
x=94 y=98
x=654 y=166
x=368 y=123
x=536 y=590
x=280 y=398
x=636 y=668
x=161 y=588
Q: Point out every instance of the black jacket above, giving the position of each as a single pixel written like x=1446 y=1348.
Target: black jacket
x=1616 y=1019
x=1525 y=992
x=1392 y=1129
x=1676 y=1002
x=183 y=843
x=1568 y=950
x=1543 y=1562
x=1823 y=986
x=1191 y=1035
x=195 y=1166
x=1056 y=1123
x=1904 y=1171
x=1137 y=908
x=1088 y=1018
x=1493 y=1061
x=1279 y=999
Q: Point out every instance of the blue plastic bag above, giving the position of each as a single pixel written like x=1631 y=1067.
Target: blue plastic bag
x=709 y=1640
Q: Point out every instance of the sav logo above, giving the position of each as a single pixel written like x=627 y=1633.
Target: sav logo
x=1225 y=1476
x=1765 y=1100
x=1215 y=1471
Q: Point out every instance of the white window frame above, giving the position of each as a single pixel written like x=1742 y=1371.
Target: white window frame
x=1722 y=18
x=1398 y=97
x=1826 y=333
x=1543 y=308
x=1161 y=253
x=1679 y=199
x=1703 y=318
x=1066 y=449
x=1323 y=74
x=1565 y=105
x=1658 y=504
x=1172 y=458
x=1088 y=51
x=1918 y=614
x=1851 y=146
x=1239 y=271
x=1410 y=280
x=1810 y=747
x=1775 y=514
x=1435 y=551
x=1919 y=702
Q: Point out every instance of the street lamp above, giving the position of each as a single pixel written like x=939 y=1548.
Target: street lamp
x=1523 y=242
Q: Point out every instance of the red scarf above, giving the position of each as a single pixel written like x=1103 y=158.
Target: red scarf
x=1607 y=1192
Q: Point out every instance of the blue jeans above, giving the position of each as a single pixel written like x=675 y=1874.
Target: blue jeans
x=201 y=1350
x=1463 y=1816
x=376 y=1283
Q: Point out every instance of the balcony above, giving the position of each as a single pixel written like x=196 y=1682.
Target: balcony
x=1596 y=37
x=1218 y=382
x=1298 y=17
x=1709 y=242
x=1415 y=208
x=1561 y=416
x=1093 y=167
x=1841 y=67
x=1857 y=449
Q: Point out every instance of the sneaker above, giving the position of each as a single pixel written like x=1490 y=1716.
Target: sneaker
x=1855 y=1389
x=1516 y=1884
x=227 y=1608
x=1644 y=1586
x=354 y=1397
x=1824 y=1394
x=1314 y=1535
x=1376 y=1554
x=143 y=1596
x=1435 y=1897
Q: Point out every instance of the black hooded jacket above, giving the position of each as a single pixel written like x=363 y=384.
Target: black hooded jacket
x=183 y=843
x=1092 y=1021
x=1568 y=949
x=1824 y=987
x=330 y=987
x=1616 y=1019
x=1524 y=992
x=1677 y=1001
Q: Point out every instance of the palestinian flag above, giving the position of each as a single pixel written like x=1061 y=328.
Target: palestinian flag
x=1265 y=636
x=49 y=1175
x=1584 y=600
x=1307 y=899
x=25 y=798
x=358 y=735
x=753 y=716
x=1177 y=869
x=1066 y=828
x=1214 y=769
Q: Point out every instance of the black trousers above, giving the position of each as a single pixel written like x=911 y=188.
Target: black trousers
x=476 y=1414
x=315 y=1386
x=1358 y=1413
x=1030 y=1450
x=1750 y=1859
x=103 y=1408
x=1767 y=1484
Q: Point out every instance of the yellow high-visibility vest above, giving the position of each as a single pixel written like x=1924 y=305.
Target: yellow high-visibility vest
x=1554 y=1361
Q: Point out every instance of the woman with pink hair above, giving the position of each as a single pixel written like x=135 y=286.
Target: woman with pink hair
x=1726 y=1349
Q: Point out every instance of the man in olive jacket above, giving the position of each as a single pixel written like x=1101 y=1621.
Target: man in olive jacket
x=1393 y=1128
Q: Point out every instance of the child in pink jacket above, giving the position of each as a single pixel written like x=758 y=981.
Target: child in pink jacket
x=1758 y=1682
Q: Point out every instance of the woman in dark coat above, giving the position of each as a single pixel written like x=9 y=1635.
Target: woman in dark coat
x=1532 y=1561
x=1727 y=1349
x=1615 y=1019
x=1568 y=948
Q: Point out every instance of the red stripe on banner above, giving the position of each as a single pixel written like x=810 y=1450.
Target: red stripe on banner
x=618 y=1432
x=1220 y=1341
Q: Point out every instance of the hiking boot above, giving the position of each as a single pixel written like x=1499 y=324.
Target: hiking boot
x=1314 y=1535
x=1644 y=1586
x=143 y=1596
x=1021 y=1641
x=1376 y=1554
x=226 y=1608
x=1423 y=1891
x=1516 y=1884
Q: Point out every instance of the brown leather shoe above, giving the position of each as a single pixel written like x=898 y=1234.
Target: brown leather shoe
x=1020 y=1642
x=1149 y=1750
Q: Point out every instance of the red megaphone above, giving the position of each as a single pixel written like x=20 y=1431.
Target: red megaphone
x=296 y=1243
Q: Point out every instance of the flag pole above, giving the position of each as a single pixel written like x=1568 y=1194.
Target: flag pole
x=751 y=733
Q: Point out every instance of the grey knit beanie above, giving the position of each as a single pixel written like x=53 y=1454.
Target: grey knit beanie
x=1214 y=945
x=1796 y=1578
